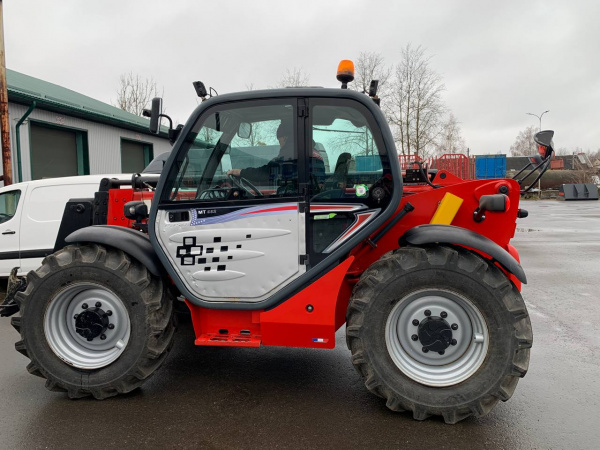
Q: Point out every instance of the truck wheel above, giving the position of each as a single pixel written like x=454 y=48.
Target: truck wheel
x=94 y=322
x=438 y=331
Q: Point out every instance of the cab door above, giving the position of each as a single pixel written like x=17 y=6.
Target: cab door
x=234 y=239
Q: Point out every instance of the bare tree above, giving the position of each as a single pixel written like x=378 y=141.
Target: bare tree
x=135 y=93
x=563 y=151
x=450 y=140
x=371 y=66
x=525 y=144
x=293 y=78
x=416 y=109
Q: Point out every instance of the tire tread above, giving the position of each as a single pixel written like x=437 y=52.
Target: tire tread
x=408 y=258
x=158 y=303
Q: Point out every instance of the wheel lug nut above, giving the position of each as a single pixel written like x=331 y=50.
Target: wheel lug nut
x=454 y=326
x=98 y=304
x=111 y=326
x=414 y=337
x=109 y=313
x=84 y=306
x=427 y=312
x=453 y=342
x=415 y=322
x=102 y=336
x=443 y=314
x=425 y=350
x=441 y=352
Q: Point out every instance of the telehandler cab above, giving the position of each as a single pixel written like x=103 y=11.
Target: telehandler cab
x=280 y=216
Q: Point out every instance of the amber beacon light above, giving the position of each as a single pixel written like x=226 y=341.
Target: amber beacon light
x=345 y=73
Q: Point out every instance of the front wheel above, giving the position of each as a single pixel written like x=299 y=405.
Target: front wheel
x=94 y=321
x=438 y=331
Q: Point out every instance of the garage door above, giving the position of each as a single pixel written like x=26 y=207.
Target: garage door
x=135 y=156
x=57 y=152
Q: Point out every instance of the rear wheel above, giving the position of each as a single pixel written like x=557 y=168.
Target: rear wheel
x=438 y=331
x=94 y=322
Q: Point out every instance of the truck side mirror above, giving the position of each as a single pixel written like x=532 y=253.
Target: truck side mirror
x=155 y=114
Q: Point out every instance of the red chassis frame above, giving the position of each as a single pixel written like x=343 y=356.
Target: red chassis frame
x=311 y=317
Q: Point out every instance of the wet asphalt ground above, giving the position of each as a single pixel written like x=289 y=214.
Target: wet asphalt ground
x=292 y=398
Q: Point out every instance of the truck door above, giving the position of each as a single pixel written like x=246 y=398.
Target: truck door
x=11 y=207
x=230 y=222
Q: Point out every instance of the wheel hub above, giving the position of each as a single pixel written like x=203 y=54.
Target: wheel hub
x=436 y=337
x=435 y=334
x=91 y=323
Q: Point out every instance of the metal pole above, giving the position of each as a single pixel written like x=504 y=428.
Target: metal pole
x=4 y=122
x=539 y=117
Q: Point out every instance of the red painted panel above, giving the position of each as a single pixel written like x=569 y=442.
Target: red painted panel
x=219 y=327
x=291 y=324
x=498 y=226
x=116 y=201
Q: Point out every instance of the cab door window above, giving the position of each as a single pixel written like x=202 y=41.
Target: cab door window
x=239 y=153
x=347 y=160
x=349 y=172
x=8 y=205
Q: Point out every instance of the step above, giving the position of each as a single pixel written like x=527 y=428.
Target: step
x=228 y=340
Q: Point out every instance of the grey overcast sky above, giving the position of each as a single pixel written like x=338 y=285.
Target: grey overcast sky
x=499 y=60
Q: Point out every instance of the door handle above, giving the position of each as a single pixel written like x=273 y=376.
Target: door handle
x=9 y=232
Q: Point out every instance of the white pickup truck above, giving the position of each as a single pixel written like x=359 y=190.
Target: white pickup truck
x=30 y=216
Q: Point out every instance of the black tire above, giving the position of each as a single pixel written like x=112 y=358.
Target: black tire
x=146 y=303
x=410 y=272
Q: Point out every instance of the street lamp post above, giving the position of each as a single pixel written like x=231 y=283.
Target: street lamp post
x=539 y=117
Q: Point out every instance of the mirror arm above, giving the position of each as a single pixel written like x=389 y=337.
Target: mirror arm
x=174 y=133
x=544 y=161
x=521 y=171
x=547 y=162
x=169 y=119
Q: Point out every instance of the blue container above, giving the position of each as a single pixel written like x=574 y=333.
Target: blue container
x=490 y=166
x=370 y=163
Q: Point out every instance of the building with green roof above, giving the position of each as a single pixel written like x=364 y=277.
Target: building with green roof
x=55 y=132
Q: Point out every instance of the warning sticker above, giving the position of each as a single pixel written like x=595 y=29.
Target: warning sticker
x=361 y=190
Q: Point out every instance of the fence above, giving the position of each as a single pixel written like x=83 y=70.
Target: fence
x=456 y=163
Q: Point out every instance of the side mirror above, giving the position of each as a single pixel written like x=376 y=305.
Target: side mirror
x=155 y=114
x=200 y=89
x=244 y=130
x=493 y=202
x=545 y=144
x=373 y=88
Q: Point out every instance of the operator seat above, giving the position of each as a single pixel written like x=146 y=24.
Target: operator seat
x=339 y=178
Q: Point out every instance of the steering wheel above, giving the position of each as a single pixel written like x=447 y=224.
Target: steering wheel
x=242 y=183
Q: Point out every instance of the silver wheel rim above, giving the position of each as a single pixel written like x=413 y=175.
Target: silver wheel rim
x=61 y=332
x=459 y=361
